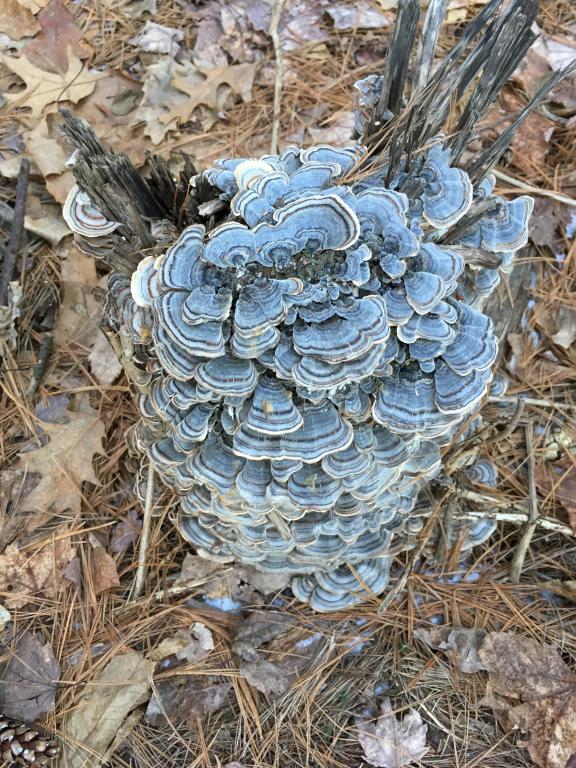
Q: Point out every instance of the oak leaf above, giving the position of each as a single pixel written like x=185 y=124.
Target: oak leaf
x=392 y=743
x=43 y=88
x=205 y=86
x=24 y=574
x=64 y=463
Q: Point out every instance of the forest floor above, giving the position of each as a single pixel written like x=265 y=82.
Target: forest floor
x=204 y=667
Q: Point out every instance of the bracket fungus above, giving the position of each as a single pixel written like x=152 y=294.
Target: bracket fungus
x=313 y=345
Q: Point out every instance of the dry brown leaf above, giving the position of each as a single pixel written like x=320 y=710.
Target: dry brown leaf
x=390 y=742
x=204 y=87
x=531 y=140
x=532 y=682
x=33 y=5
x=51 y=226
x=460 y=645
x=16 y=21
x=112 y=128
x=30 y=679
x=50 y=49
x=123 y=684
x=277 y=668
x=80 y=311
x=559 y=480
x=104 y=573
x=103 y=361
x=161 y=102
x=50 y=157
x=187 y=644
x=26 y=574
x=43 y=88
x=155 y=38
x=125 y=533
x=184 y=698
x=64 y=463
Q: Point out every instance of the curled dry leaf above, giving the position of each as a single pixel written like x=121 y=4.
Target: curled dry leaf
x=25 y=574
x=390 y=742
x=460 y=645
x=29 y=680
x=123 y=684
x=538 y=689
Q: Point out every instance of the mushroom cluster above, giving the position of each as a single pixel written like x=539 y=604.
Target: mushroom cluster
x=312 y=354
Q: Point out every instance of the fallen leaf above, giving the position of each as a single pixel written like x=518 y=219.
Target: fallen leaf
x=103 y=361
x=537 y=688
x=43 y=88
x=362 y=15
x=27 y=574
x=50 y=157
x=113 y=128
x=557 y=53
x=559 y=480
x=29 y=681
x=104 y=573
x=205 y=87
x=123 y=684
x=559 y=325
x=50 y=49
x=544 y=222
x=338 y=132
x=161 y=101
x=392 y=743
x=50 y=227
x=531 y=139
x=125 y=533
x=64 y=463
x=185 y=698
x=80 y=311
x=460 y=645
x=187 y=645
x=33 y=5
x=155 y=38
x=5 y=617
x=16 y=21
x=274 y=670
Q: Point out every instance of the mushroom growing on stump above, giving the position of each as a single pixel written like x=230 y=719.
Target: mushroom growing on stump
x=308 y=349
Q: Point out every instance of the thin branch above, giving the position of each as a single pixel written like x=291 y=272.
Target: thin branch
x=145 y=535
x=16 y=232
x=524 y=543
x=278 y=74
x=512 y=512
x=534 y=190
